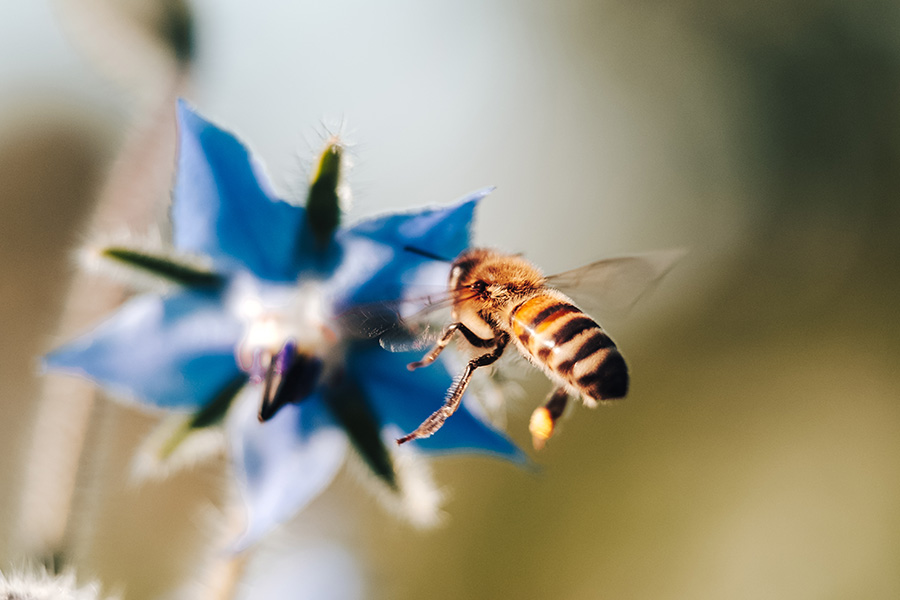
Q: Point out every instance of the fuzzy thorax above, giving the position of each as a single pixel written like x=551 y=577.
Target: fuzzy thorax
x=491 y=283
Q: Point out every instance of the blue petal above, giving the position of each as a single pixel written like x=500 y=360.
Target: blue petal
x=283 y=464
x=369 y=271
x=222 y=205
x=441 y=232
x=170 y=352
x=405 y=398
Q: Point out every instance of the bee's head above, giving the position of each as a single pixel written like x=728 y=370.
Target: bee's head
x=465 y=269
x=494 y=278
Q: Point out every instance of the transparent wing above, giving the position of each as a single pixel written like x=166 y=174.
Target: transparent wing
x=411 y=323
x=611 y=287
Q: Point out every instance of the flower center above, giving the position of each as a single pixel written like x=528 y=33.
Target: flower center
x=286 y=339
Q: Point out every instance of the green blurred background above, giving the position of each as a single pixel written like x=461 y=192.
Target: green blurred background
x=757 y=455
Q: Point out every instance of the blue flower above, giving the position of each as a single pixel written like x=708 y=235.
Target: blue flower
x=263 y=309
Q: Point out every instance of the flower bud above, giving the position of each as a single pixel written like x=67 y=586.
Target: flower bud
x=323 y=210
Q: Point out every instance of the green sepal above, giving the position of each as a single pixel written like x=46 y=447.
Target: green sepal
x=164 y=267
x=323 y=207
x=176 y=28
x=208 y=416
x=349 y=406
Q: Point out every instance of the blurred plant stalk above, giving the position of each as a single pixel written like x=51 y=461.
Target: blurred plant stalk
x=134 y=42
x=65 y=407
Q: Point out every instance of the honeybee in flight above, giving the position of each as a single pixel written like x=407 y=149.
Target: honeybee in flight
x=498 y=299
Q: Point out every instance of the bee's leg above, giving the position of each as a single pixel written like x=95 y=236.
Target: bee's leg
x=438 y=348
x=454 y=396
x=544 y=418
x=445 y=339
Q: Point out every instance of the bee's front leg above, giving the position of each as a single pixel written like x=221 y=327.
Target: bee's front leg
x=438 y=348
x=445 y=339
x=454 y=396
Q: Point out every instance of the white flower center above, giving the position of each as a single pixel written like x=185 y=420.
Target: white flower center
x=274 y=314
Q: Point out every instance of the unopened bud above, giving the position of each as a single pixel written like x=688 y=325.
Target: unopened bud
x=323 y=208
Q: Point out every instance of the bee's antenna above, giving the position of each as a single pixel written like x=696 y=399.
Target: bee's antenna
x=426 y=254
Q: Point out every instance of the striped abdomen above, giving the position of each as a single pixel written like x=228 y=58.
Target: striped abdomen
x=571 y=345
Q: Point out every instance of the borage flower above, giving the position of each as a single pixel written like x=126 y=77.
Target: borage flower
x=264 y=310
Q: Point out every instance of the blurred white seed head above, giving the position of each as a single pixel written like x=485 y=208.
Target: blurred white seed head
x=40 y=585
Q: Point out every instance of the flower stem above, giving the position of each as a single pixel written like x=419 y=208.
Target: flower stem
x=140 y=177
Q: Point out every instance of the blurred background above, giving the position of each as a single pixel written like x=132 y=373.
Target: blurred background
x=757 y=454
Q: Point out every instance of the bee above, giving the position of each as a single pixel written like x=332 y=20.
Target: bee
x=500 y=299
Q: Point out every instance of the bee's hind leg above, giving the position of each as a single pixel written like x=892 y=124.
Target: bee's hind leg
x=454 y=396
x=544 y=418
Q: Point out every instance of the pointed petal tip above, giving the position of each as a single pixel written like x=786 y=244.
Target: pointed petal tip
x=502 y=448
x=529 y=465
x=223 y=205
x=188 y=119
x=515 y=455
x=47 y=364
x=185 y=107
x=61 y=358
x=477 y=195
x=46 y=361
x=183 y=110
x=465 y=206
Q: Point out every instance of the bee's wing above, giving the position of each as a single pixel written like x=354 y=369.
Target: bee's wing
x=610 y=287
x=409 y=323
